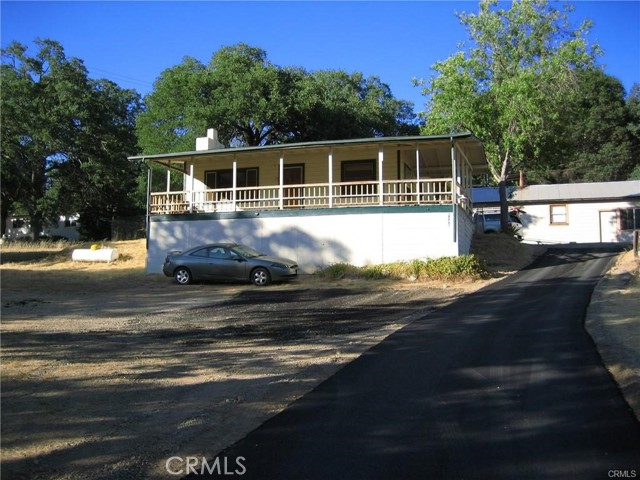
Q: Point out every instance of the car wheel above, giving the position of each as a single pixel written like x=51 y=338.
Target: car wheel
x=260 y=277
x=182 y=276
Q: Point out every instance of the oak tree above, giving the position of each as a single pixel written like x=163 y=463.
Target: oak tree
x=65 y=139
x=512 y=84
x=251 y=102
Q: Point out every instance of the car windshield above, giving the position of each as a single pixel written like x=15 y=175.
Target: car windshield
x=246 y=251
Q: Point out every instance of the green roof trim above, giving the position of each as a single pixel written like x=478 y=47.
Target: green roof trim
x=312 y=212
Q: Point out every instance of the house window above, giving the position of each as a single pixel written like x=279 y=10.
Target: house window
x=629 y=219
x=559 y=214
x=246 y=177
x=358 y=171
x=293 y=175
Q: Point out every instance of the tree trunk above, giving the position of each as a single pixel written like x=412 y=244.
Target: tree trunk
x=502 y=189
x=38 y=187
x=501 y=178
x=504 y=207
x=36 y=225
x=4 y=213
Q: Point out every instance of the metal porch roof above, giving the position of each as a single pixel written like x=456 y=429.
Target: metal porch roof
x=474 y=146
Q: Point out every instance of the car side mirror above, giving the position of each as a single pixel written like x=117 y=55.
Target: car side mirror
x=237 y=258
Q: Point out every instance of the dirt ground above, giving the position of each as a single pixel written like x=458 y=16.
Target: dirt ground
x=108 y=372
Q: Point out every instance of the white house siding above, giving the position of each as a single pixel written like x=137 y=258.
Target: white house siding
x=583 y=223
x=359 y=236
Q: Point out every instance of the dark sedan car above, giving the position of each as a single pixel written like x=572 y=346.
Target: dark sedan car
x=227 y=261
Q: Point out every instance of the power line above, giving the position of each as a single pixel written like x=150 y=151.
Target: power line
x=120 y=77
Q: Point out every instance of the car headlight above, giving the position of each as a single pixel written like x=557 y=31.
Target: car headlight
x=279 y=265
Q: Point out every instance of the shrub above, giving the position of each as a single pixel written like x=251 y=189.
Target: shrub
x=395 y=270
x=336 y=271
x=463 y=267
x=444 y=268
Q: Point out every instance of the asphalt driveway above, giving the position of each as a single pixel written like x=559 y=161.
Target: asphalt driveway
x=504 y=383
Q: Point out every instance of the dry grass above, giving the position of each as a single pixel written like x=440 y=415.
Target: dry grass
x=503 y=253
x=57 y=255
x=33 y=265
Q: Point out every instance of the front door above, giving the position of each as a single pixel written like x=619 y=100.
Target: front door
x=293 y=175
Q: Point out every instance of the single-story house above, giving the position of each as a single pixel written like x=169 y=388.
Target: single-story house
x=579 y=212
x=66 y=226
x=361 y=201
x=601 y=212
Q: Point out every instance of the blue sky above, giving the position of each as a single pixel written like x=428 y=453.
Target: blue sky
x=131 y=43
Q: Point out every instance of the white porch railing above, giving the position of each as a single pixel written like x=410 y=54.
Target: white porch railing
x=319 y=195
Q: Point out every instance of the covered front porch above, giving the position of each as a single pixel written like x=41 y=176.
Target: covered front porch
x=383 y=171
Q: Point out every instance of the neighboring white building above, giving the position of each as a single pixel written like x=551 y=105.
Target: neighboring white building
x=361 y=201
x=66 y=227
x=579 y=212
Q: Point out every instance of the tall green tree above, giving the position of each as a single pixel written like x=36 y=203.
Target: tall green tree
x=512 y=86
x=602 y=144
x=598 y=142
x=240 y=93
x=65 y=138
x=334 y=104
x=97 y=180
x=168 y=122
x=249 y=96
x=251 y=102
x=633 y=127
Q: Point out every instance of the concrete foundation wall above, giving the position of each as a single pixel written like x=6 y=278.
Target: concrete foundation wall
x=315 y=239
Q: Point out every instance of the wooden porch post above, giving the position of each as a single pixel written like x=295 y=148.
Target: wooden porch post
x=168 y=178
x=235 y=183
x=418 y=174
x=380 y=179
x=281 y=186
x=330 y=160
x=149 y=190
x=192 y=194
x=466 y=171
x=454 y=189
